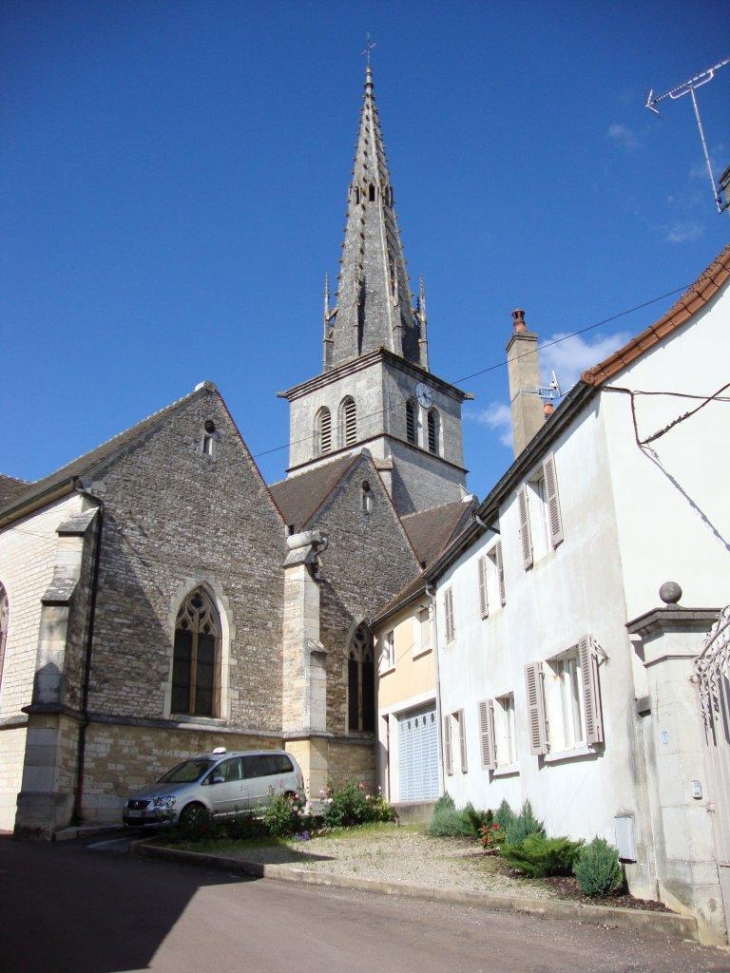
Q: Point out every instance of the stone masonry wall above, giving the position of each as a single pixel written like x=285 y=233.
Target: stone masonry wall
x=174 y=517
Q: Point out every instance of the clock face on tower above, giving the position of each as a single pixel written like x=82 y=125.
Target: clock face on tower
x=424 y=395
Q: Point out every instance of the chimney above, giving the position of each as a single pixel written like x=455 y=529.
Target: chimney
x=524 y=381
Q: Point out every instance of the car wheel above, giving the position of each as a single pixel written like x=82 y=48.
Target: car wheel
x=193 y=816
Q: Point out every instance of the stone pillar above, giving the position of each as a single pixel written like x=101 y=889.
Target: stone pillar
x=46 y=799
x=304 y=691
x=523 y=369
x=668 y=641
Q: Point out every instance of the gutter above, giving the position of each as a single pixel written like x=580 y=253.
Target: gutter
x=29 y=506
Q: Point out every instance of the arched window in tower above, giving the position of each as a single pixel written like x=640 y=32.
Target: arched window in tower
x=323 y=431
x=196 y=657
x=361 y=682
x=348 y=422
x=411 y=428
x=4 y=621
x=434 y=432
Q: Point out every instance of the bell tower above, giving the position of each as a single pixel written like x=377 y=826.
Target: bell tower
x=376 y=390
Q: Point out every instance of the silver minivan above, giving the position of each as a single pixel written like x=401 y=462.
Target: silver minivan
x=218 y=783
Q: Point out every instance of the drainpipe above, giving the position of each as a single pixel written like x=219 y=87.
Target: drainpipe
x=431 y=595
x=81 y=749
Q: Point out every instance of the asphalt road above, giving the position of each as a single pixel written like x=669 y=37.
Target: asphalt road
x=86 y=907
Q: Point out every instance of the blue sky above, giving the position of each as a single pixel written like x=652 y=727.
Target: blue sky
x=173 y=187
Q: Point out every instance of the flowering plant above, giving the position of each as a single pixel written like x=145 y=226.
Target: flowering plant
x=492 y=836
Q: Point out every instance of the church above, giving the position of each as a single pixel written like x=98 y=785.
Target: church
x=159 y=599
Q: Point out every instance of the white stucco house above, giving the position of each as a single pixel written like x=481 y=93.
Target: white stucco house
x=563 y=676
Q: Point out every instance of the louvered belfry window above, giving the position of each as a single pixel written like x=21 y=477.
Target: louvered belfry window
x=324 y=431
x=348 y=422
x=196 y=657
x=433 y=432
x=411 y=433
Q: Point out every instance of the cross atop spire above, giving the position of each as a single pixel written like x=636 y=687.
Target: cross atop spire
x=374 y=304
x=369 y=45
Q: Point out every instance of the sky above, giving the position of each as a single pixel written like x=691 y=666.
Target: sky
x=173 y=181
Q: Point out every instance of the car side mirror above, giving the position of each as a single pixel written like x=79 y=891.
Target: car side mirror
x=218 y=780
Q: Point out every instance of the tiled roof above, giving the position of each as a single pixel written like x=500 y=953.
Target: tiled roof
x=300 y=497
x=10 y=488
x=88 y=461
x=430 y=531
x=692 y=301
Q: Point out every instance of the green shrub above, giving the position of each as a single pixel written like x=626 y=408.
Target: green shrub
x=504 y=815
x=243 y=827
x=285 y=815
x=198 y=826
x=449 y=822
x=524 y=824
x=352 y=804
x=598 y=869
x=539 y=857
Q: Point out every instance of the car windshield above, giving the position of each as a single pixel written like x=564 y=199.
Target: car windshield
x=186 y=773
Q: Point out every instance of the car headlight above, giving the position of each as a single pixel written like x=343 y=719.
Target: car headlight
x=164 y=800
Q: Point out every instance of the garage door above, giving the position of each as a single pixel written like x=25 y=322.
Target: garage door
x=418 y=755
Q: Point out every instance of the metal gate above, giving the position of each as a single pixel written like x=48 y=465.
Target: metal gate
x=712 y=669
x=418 y=756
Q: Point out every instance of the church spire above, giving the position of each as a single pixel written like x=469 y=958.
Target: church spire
x=374 y=306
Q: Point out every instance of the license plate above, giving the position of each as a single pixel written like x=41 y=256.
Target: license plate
x=135 y=814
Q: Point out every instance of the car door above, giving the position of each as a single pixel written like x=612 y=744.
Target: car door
x=228 y=792
x=258 y=778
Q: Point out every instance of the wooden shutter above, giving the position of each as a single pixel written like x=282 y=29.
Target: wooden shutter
x=525 y=536
x=592 y=713
x=448 y=756
x=449 y=613
x=483 y=594
x=486 y=732
x=462 y=740
x=500 y=572
x=554 y=520
x=536 y=708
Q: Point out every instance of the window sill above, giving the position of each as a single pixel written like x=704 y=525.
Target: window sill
x=387 y=672
x=561 y=755
x=199 y=720
x=418 y=653
x=510 y=770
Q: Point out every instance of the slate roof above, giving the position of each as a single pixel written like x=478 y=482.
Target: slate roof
x=430 y=531
x=692 y=301
x=56 y=481
x=10 y=488
x=300 y=497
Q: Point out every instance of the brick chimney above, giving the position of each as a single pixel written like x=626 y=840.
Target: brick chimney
x=523 y=368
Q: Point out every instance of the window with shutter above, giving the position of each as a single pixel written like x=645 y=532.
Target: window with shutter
x=411 y=429
x=433 y=432
x=553 y=518
x=449 y=614
x=536 y=708
x=505 y=746
x=525 y=533
x=483 y=589
x=500 y=572
x=448 y=754
x=592 y=712
x=486 y=732
x=462 y=740
x=348 y=422
x=323 y=431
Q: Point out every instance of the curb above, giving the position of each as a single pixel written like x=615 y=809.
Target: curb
x=85 y=831
x=663 y=923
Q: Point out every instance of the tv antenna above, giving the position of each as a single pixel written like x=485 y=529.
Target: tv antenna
x=689 y=88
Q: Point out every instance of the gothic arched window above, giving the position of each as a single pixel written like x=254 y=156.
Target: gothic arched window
x=196 y=657
x=411 y=428
x=433 y=432
x=4 y=620
x=348 y=422
x=323 y=431
x=361 y=682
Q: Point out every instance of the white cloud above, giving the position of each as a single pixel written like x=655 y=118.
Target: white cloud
x=574 y=354
x=496 y=416
x=623 y=136
x=682 y=232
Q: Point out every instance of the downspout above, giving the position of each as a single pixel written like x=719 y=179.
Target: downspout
x=431 y=595
x=81 y=749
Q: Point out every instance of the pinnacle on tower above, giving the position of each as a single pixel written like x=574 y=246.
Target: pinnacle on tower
x=374 y=305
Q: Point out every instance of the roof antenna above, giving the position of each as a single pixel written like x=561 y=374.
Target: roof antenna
x=688 y=87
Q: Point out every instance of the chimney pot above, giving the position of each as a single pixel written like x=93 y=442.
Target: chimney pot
x=547 y=409
x=518 y=320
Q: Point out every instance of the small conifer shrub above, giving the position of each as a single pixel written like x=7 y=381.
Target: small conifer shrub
x=598 y=869
x=524 y=824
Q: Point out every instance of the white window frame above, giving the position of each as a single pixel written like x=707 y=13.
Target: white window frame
x=422 y=631
x=497 y=731
x=449 y=626
x=540 y=518
x=387 y=652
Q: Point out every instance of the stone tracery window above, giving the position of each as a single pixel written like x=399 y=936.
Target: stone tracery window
x=361 y=682
x=4 y=620
x=196 y=657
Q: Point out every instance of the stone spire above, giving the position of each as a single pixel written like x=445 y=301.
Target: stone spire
x=373 y=297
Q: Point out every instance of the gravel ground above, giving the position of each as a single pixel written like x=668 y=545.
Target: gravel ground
x=398 y=856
